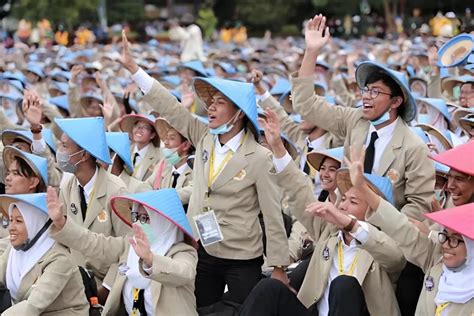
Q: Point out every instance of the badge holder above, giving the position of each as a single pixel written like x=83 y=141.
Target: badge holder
x=208 y=228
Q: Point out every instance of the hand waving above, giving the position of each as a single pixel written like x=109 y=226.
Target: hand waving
x=141 y=245
x=356 y=166
x=32 y=107
x=316 y=33
x=127 y=59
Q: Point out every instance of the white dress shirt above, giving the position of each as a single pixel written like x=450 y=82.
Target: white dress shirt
x=141 y=153
x=220 y=151
x=385 y=135
x=89 y=186
x=180 y=170
x=143 y=80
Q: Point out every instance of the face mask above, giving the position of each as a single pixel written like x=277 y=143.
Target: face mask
x=440 y=196
x=224 y=128
x=148 y=232
x=171 y=156
x=457 y=92
x=63 y=161
x=423 y=119
x=382 y=119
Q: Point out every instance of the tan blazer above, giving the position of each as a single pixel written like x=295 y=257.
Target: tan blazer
x=173 y=274
x=147 y=164
x=74 y=101
x=132 y=184
x=183 y=184
x=52 y=287
x=405 y=160
x=343 y=96
x=54 y=173
x=99 y=217
x=240 y=192
x=421 y=251
x=380 y=260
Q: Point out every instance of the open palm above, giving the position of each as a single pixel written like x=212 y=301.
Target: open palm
x=316 y=33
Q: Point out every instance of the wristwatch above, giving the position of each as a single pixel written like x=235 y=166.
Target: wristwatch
x=349 y=226
x=36 y=129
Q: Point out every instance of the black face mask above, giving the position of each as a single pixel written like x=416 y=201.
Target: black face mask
x=30 y=243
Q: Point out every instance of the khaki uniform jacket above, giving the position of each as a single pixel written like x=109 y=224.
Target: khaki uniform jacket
x=147 y=164
x=405 y=160
x=52 y=287
x=240 y=192
x=380 y=260
x=343 y=96
x=74 y=101
x=99 y=217
x=173 y=275
x=183 y=184
x=421 y=251
x=133 y=185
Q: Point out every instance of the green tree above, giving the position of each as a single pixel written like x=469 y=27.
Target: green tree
x=125 y=10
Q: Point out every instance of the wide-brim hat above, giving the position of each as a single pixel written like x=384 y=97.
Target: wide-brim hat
x=459 y=113
x=367 y=68
x=467 y=124
x=59 y=86
x=195 y=66
x=61 y=102
x=315 y=158
x=37 y=200
x=240 y=93
x=281 y=86
x=420 y=133
x=459 y=158
x=164 y=202
x=49 y=138
x=89 y=134
x=38 y=164
x=128 y=121
x=455 y=51
x=120 y=144
x=91 y=96
x=443 y=138
x=380 y=185
x=162 y=126
x=35 y=69
x=438 y=104
x=459 y=219
x=9 y=136
x=448 y=83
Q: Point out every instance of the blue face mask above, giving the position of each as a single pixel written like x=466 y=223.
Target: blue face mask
x=224 y=128
x=171 y=156
x=148 y=231
x=382 y=119
x=423 y=119
x=457 y=92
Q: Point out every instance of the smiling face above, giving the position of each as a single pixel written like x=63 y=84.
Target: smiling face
x=467 y=95
x=17 y=229
x=327 y=174
x=352 y=204
x=221 y=110
x=461 y=187
x=375 y=107
x=453 y=257
x=143 y=132
x=20 y=179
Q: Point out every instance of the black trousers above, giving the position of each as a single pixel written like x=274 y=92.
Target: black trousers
x=297 y=275
x=213 y=274
x=409 y=287
x=272 y=298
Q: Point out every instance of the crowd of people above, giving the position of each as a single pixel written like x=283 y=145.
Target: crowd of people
x=313 y=176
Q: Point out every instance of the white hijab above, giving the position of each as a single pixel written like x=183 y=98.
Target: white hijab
x=21 y=262
x=165 y=234
x=458 y=286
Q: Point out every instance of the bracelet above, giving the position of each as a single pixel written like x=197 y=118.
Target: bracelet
x=351 y=225
x=36 y=129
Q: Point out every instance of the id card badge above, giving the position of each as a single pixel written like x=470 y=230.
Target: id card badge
x=208 y=228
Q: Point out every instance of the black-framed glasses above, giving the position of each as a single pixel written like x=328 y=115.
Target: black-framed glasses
x=453 y=241
x=372 y=92
x=140 y=217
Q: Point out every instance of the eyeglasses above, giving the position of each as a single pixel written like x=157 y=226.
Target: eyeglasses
x=142 y=218
x=373 y=92
x=143 y=127
x=453 y=241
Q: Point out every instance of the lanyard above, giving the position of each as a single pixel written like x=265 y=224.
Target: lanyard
x=214 y=173
x=440 y=308
x=340 y=261
x=135 y=294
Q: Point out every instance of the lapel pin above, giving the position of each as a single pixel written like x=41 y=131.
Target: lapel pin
x=326 y=253
x=205 y=156
x=429 y=283
x=73 y=209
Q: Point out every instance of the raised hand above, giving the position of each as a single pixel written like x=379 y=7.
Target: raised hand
x=126 y=59
x=141 y=245
x=316 y=33
x=75 y=72
x=32 y=107
x=107 y=110
x=55 y=208
x=256 y=78
x=328 y=212
x=356 y=167
x=271 y=126
x=100 y=83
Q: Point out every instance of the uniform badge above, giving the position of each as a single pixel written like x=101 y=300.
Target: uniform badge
x=326 y=253
x=5 y=222
x=241 y=175
x=429 y=283
x=205 y=156
x=393 y=175
x=102 y=217
x=73 y=209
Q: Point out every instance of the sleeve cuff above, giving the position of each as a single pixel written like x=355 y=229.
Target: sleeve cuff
x=143 y=80
x=281 y=163
x=38 y=146
x=362 y=233
x=263 y=97
x=105 y=285
x=147 y=269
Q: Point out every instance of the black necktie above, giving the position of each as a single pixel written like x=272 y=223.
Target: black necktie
x=83 y=202
x=175 y=179
x=306 y=168
x=135 y=158
x=370 y=153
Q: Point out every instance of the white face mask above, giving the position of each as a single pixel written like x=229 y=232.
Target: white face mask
x=226 y=127
x=382 y=119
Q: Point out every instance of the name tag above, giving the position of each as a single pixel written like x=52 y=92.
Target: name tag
x=208 y=228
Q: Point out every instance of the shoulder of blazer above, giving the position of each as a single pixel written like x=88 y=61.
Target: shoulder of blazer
x=180 y=247
x=55 y=252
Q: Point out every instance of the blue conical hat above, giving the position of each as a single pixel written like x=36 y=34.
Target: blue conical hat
x=195 y=66
x=281 y=86
x=240 y=93
x=438 y=104
x=37 y=163
x=88 y=133
x=380 y=185
x=164 y=202
x=9 y=135
x=36 y=69
x=60 y=101
x=120 y=144
x=38 y=200
x=49 y=138
x=315 y=158
x=367 y=68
